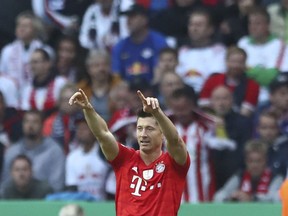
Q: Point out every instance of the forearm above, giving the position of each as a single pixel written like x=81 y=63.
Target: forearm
x=96 y=123
x=175 y=145
x=100 y=130
x=167 y=127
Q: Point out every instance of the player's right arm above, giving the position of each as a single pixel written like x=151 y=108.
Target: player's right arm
x=97 y=125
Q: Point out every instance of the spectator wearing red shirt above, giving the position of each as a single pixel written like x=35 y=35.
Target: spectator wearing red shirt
x=245 y=90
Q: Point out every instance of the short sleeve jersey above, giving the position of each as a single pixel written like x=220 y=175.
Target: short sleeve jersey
x=153 y=189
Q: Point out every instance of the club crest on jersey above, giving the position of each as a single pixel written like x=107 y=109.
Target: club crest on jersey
x=160 y=168
x=148 y=174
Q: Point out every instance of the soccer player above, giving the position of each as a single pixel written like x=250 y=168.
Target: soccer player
x=148 y=181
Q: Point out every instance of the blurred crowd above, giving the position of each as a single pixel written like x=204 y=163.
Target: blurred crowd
x=219 y=69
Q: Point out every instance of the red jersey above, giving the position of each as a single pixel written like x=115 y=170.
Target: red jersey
x=153 y=189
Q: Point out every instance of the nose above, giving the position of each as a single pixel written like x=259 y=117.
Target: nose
x=143 y=133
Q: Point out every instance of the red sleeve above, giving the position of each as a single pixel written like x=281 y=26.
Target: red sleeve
x=124 y=154
x=181 y=169
x=252 y=92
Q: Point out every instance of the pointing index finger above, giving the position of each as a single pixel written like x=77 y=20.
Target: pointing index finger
x=141 y=96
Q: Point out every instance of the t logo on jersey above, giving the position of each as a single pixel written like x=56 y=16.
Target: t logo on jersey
x=137 y=185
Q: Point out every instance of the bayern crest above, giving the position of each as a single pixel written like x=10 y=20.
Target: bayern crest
x=160 y=168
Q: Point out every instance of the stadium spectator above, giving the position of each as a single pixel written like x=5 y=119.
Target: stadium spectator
x=173 y=21
x=266 y=54
x=235 y=21
x=245 y=90
x=230 y=127
x=15 y=56
x=86 y=168
x=269 y=131
x=199 y=49
x=278 y=101
x=46 y=155
x=118 y=97
x=99 y=29
x=170 y=81
x=101 y=80
x=255 y=183
x=22 y=184
x=168 y=60
x=60 y=125
x=43 y=92
x=137 y=55
x=70 y=58
x=196 y=131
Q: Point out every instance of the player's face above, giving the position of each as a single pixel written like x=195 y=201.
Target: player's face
x=149 y=135
x=21 y=173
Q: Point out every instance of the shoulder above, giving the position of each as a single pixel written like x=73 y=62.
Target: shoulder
x=274 y=9
x=74 y=155
x=156 y=35
x=93 y=8
x=51 y=145
x=243 y=41
x=60 y=80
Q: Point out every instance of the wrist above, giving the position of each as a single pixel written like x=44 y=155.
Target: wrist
x=88 y=107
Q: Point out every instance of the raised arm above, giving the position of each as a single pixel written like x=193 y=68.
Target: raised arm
x=175 y=145
x=97 y=125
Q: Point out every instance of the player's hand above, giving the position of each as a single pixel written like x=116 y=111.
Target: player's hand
x=150 y=104
x=81 y=99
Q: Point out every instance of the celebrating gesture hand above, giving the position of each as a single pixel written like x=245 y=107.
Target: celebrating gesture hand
x=150 y=104
x=81 y=99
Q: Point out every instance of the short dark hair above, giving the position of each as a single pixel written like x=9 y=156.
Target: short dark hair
x=21 y=157
x=256 y=145
x=142 y=114
x=279 y=81
x=169 y=50
x=260 y=10
x=44 y=53
x=203 y=12
x=234 y=49
x=35 y=112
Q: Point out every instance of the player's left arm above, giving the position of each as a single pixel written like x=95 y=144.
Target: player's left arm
x=175 y=145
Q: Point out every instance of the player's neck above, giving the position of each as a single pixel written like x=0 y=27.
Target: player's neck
x=150 y=157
